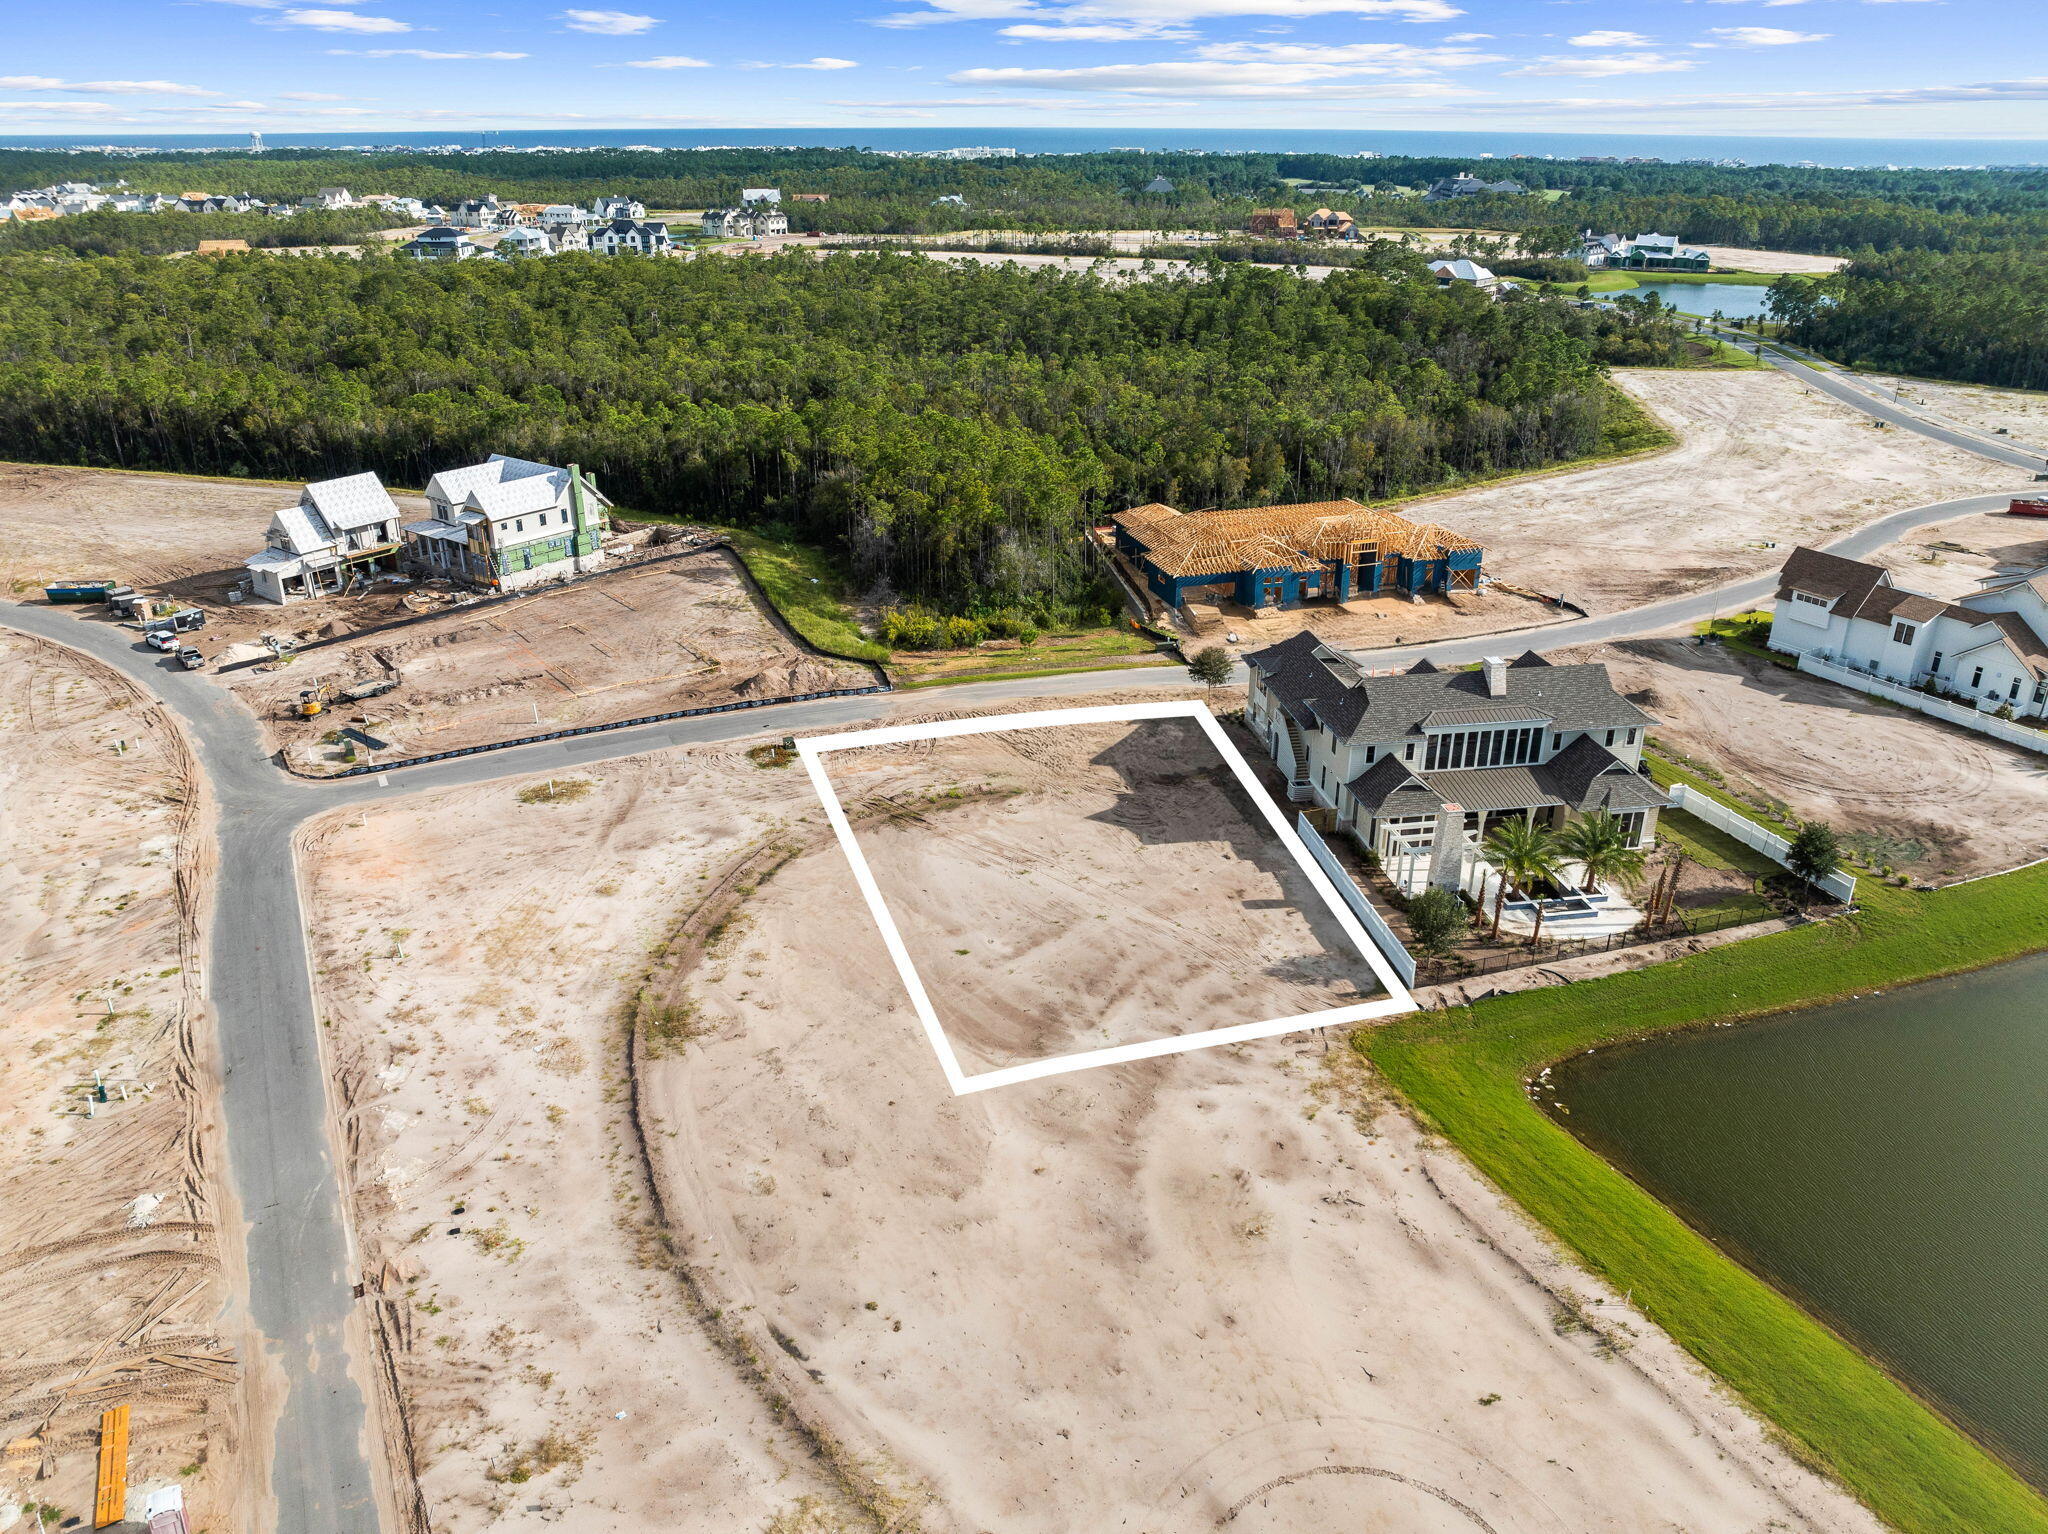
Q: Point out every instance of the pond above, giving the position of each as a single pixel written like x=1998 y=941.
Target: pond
x=1883 y=1160
x=1734 y=300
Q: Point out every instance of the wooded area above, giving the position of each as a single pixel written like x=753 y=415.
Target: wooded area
x=1978 y=318
x=950 y=429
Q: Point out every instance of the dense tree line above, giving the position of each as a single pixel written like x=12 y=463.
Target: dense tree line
x=1978 y=317
x=1840 y=212
x=950 y=429
x=162 y=234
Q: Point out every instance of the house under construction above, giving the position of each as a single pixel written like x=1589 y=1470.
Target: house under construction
x=1281 y=556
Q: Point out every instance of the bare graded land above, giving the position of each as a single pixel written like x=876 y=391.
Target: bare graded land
x=1037 y=917
x=680 y=633
x=2021 y=412
x=1953 y=559
x=113 y=1276
x=1760 y=459
x=1772 y=262
x=1931 y=799
x=1142 y=1297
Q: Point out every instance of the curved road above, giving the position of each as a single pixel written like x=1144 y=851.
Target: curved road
x=300 y=1253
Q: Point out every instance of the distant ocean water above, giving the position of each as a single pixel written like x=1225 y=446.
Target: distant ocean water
x=1041 y=140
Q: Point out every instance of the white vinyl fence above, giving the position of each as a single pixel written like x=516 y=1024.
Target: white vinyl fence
x=2008 y=730
x=1773 y=846
x=1368 y=915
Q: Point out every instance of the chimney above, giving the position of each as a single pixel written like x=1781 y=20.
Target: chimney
x=1496 y=669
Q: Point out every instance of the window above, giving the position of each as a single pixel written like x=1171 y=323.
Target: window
x=1810 y=600
x=1934 y=661
x=1370 y=753
x=1557 y=742
x=2014 y=690
x=1610 y=737
x=1902 y=633
x=1511 y=747
x=1977 y=677
x=1632 y=735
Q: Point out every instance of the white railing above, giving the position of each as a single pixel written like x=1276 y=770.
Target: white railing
x=1773 y=846
x=1366 y=912
x=2008 y=730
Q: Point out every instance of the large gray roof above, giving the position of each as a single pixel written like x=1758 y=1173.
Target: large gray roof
x=1319 y=686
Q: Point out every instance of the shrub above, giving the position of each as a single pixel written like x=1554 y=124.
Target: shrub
x=1438 y=921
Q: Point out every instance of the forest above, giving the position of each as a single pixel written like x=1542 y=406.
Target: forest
x=160 y=234
x=948 y=430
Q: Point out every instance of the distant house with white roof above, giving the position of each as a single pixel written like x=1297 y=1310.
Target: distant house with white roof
x=523 y=240
x=508 y=523
x=340 y=527
x=1644 y=253
x=1451 y=273
x=617 y=207
x=752 y=195
x=329 y=198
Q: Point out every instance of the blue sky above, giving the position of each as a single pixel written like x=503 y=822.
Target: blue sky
x=1851 y=68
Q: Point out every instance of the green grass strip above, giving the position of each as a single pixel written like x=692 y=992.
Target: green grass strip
x=1464 y=1072
x=808 y=590
x=1015 y=676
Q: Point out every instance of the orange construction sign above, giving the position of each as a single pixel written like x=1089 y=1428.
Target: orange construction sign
x=111 y=1506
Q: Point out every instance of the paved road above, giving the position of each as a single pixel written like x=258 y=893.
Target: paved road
x=300 y=1257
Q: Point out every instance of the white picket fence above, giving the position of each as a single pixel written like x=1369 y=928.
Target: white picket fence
x=1367 y=913
x=2008 y=730
x=1773 y=846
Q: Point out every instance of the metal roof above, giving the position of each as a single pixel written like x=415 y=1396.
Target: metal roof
x=1493 y=788
x=1492 y=713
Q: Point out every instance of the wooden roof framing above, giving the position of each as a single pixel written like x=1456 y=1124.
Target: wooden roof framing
x=1301 y=537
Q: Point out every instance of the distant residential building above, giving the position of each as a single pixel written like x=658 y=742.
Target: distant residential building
x=222 y=248
x=1328 y=224
x=329 y=198
x=605 y=208
x=338 y=528
x=1990 y=648
x=744 y=223
x=1273 y=221
x=484 y=212
x=507 y=523
x=1449 y=273
x=751 y=195
x=810 y=197
x=565 y=237
x=1465 y=184
x=1643 y=253
x=1158 y=186
x=444 y=242
x=950 y=200
x=524 y=240
x=625 y=236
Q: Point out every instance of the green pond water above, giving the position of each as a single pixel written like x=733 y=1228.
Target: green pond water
x=1734 y=300
x=1883 y=1160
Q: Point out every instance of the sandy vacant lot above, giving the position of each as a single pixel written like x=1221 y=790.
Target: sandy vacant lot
x=145 y=529
x=1036 y=917
x=1953 y=559
x=1760 y=460
x=112 y=1277
x=2021 y=412
x=1133 y=1298
x=1931 y=799
x=1772 y=261
x=680 y=633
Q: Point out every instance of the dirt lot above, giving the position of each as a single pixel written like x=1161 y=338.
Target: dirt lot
x=1953 y=559
x=1135 y=1297
x=112 y=1274
x=2022 y=412
x=145 y=529
x=1760 y=460
x=1032 y=916
x=1931 y=799
x=1772 y=262
x=680 y=633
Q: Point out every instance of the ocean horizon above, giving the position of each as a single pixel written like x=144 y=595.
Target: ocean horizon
x=1753 y=150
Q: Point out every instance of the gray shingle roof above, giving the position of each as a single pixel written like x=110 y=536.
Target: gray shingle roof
x=1388 y=787
x=1587 y=776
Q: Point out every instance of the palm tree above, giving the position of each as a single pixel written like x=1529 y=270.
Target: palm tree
x=1525 y=854
x=1602 y=843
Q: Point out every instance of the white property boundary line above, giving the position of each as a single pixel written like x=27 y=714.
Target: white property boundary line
x=1397 y=1000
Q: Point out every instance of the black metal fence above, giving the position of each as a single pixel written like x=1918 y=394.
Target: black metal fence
x=594 y=729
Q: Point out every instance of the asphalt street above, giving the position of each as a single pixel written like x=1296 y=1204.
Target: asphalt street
x=279 y=1124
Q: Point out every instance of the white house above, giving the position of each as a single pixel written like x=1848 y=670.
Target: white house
x=329 y=198
x=1465 y=184
x=1450 y=273
x=624 y=236
x=744 y=223
x=1643 y=253
x=338 y=528
x=617 y=207
x=441 y=243
x=1986 y=649
x=506 y=523
x=1419 y=766
x=755 y=196
x=523 y=240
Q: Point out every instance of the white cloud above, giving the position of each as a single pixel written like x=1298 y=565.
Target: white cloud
x=101 y=87
x=34 y=109
x=1360 y=58
x=1468 y=37
x=1600 y=66
x=308 y=96
x=334 y=21
x=1764 y=37
x=822 y=62
x=1165 y=12
x=419 y=53
x=1104 y=32
x=668 y=61
x=609 y=23
x=1215 y=78
x=1610 y=40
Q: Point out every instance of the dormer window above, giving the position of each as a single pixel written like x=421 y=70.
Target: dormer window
x=1811 y=600
x=1902 y=633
